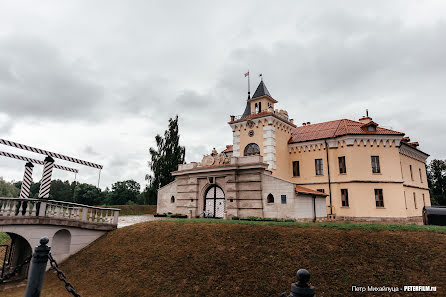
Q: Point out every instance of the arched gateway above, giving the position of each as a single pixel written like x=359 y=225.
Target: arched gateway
x=214 y=202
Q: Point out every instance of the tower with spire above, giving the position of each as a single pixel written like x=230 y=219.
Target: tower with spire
x=260 y=127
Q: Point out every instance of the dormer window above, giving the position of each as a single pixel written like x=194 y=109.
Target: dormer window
x=370 y=126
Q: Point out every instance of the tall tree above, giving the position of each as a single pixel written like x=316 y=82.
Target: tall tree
x=436 y=175
x=164 y=159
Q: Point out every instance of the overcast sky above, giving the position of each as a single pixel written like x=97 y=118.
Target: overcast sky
x=97 y=80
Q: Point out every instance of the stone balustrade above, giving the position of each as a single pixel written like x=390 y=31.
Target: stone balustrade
x=60 y=210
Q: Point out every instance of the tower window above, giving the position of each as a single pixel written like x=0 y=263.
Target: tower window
x=342 y=168
x=344 y=197
x=375 y=164
x=415 y=200
x=172 y=199
x=296 y=169
x=319 y=167
x=252 y=149
x=411 y=173
x=260 y=106
x=270 y=198
x=379 y=198
x=421 y=176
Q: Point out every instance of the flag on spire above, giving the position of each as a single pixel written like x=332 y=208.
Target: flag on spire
x=247 y=74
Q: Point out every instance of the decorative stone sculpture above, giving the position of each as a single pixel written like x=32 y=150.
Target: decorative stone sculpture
x=215 y=159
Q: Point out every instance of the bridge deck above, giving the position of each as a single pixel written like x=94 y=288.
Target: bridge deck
x=17 y=211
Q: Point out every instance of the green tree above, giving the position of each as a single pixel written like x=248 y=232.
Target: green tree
x=436 y=175
x=34 y=190
x=61 y=190
x=87 y=194
x=8 y=189
x=125 y=192
x=164 y=159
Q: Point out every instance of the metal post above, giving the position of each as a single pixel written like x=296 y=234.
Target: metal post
x=301 y=288
x=38 y=267
x=45 y=183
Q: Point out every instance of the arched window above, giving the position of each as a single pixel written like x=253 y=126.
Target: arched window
x=252 y=149
x=270 y=198
x=172 y=199
x=260 y=106
x=256 y=108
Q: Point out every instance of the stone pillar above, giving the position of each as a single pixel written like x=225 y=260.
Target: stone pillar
x=27 y=180
x=45 y=183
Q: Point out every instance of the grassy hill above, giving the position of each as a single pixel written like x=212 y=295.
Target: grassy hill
x=185 y=258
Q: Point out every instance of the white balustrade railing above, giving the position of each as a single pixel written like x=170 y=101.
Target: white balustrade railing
x=17 y=207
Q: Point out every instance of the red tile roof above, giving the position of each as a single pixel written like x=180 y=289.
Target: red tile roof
x=334 y=129
x=229 y=148
x=303 y=190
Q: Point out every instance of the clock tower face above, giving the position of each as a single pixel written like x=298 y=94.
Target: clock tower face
x=250 y=124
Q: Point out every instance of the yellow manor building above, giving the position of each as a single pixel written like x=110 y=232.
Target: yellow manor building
x=341 y=169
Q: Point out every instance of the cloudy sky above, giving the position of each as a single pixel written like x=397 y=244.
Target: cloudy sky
x=97 y=80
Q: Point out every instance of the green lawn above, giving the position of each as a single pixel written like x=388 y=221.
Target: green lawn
x=3 y=238
x=336 y=225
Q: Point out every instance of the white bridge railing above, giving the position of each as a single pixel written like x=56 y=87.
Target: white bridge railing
x=17 y=207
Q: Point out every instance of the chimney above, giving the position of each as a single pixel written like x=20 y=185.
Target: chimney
x=304 y=124
x=366 y=119
x=308 y=123
x=232 y=118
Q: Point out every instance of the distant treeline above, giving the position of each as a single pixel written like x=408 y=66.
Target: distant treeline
x=123 y=192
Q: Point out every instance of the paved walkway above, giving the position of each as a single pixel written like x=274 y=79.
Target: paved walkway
x=125 y=221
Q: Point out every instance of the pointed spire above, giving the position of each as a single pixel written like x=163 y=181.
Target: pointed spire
x=261 y=90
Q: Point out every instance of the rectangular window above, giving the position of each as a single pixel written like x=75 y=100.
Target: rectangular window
x=379 y=199
x=415 y=200
x=424 y=202
x=296 y=169
x=319 y=167
x=421 y=176
x=411 y=173
x=405 y=201
x=321 y=190
x=342 y=168
x=344 y=197
x=375 y=164
x=283 y=199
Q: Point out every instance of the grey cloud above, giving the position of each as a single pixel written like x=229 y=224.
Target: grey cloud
x=36 y=81
x=89 y=150
x=322 y=61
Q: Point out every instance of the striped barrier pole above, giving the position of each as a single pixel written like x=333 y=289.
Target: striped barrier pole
x=48 y=153
x=18 y=157
x=45 y=184
x=27 y=180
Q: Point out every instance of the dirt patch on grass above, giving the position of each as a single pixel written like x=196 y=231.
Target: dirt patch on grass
x=209 y=259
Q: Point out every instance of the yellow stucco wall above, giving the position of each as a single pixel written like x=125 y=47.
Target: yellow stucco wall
x=394 y=177
x=245 y=139
x=264 y=103
x=416 y=185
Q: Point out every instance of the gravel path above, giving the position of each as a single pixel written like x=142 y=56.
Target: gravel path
x=131 y=220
